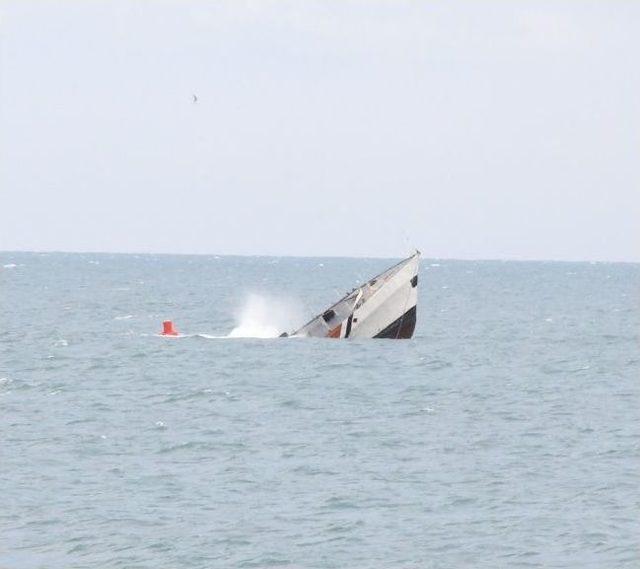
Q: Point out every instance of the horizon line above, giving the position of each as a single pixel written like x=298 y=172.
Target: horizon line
x=263 y=255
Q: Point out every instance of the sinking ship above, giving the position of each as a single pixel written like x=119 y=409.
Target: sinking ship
x=383 y=307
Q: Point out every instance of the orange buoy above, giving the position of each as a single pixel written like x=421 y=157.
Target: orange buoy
x=168 y=329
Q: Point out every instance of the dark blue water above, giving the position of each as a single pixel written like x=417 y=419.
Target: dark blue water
x=505 y=434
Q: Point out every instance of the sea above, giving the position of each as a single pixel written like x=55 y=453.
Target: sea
x=506 y=433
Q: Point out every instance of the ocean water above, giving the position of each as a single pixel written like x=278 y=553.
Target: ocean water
x=506 y=433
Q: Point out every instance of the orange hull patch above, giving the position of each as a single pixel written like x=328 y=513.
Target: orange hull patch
x=335 y=333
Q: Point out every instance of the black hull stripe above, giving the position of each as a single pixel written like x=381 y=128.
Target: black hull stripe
x=349 y=321
x=402 y=328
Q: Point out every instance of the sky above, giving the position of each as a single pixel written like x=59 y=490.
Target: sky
x=471 y=130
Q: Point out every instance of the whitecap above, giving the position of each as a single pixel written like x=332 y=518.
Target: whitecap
x=10 y=266
x=124 y=317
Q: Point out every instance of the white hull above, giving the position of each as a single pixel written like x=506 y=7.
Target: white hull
x=384 y=307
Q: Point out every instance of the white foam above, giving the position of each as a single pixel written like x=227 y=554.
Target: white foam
x=10 y=266
x=210 y=336
x=259 y=317
x=124 y=317
x=264 y=317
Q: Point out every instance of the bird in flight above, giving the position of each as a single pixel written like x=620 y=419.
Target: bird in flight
x=195 y=98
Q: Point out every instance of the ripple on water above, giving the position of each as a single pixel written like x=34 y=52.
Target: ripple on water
x=494 y=438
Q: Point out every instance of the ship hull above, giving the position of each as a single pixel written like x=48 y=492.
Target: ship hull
x=402 y=328
x=384 y=307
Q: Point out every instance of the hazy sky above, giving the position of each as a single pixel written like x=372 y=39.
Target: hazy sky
x=467 y=129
